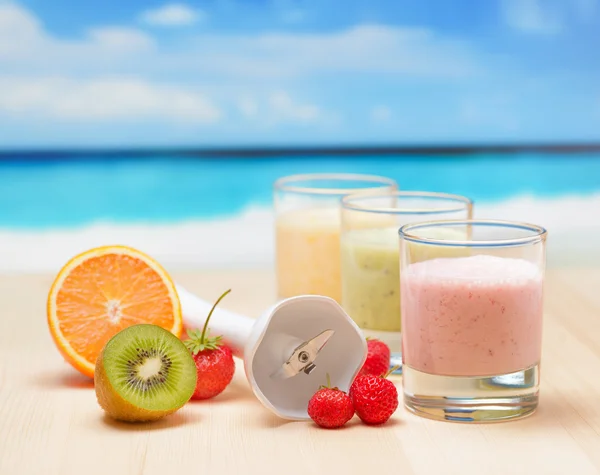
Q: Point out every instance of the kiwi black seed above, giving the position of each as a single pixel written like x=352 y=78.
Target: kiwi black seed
x=144 y=373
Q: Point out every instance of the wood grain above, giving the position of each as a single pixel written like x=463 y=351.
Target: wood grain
x=50 y=422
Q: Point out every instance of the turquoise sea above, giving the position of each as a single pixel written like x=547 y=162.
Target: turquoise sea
x=42 y=193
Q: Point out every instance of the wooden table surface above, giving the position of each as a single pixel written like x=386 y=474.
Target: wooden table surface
x=50 y=423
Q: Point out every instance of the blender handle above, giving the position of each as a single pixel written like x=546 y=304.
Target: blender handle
x=234 y=328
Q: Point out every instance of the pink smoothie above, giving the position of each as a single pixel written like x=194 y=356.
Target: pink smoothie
x=471 y=316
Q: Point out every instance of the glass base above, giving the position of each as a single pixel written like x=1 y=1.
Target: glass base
x=472 y=399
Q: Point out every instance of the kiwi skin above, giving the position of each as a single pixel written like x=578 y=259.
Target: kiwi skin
x=117 y=407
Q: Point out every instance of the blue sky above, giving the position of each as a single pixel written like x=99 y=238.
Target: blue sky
x=285 y=72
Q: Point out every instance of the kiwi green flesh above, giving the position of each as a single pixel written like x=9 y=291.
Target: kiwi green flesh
x=150 y=368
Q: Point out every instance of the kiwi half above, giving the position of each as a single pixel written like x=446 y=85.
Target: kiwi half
x=144 y=373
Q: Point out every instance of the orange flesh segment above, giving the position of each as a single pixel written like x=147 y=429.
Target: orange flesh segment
x=104 y=294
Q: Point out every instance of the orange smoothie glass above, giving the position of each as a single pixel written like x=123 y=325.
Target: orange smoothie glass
x=308 y=223
x=472 y=323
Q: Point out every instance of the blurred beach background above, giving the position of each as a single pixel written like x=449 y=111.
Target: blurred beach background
x=164 y=125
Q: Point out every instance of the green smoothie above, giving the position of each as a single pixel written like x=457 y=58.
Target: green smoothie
x=370 y=260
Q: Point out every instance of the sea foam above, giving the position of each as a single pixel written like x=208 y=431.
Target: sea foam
x=247 y=239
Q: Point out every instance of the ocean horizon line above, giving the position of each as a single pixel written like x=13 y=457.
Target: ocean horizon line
x=421 y=150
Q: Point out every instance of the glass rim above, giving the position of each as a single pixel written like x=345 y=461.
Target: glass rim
x=463 y=202
x=539 y=233
x=379 y=183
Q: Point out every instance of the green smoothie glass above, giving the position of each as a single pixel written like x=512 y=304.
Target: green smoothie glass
x=370 y=254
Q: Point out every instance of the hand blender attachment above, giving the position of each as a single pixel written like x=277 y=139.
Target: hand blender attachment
x=288 y=351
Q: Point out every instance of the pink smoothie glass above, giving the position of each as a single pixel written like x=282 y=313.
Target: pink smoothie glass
x=472 y=320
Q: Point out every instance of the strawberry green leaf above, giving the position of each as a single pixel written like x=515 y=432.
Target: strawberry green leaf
x=199 y=341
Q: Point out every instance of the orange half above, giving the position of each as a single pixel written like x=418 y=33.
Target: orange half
x=102 y=291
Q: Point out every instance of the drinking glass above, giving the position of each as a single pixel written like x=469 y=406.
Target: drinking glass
x=472 y=323
x=370 y=254
x=307 y=211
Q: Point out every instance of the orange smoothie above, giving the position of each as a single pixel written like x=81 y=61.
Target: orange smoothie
x=308 y=253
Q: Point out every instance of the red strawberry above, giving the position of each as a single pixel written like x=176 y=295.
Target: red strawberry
x=375 y=398
x=329 y=407
x=214 y=360
x=378 y=358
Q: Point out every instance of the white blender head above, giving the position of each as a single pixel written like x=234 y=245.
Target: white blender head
x=289 y=350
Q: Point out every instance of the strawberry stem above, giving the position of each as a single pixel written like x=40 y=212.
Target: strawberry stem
x=328 y=386
x=390 y=371
x=210 y=315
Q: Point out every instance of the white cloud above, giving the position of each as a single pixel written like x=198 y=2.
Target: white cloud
x=23 y=40
x=17 y=23
x=263 y=62
x=381 y=114
x=121 y=38
x=373 y=49
x=364 y=48
x=284 y=108
x=172 y=14
x=18 y=29
x=278 y=107
x=103 y=99
x=532 y=16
